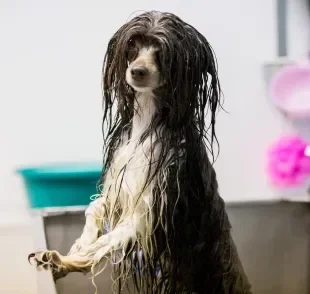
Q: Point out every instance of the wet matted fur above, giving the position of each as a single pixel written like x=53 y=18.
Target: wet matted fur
x=159 y=217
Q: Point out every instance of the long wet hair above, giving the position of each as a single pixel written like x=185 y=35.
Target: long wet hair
x=187 y=242
x=187 y=65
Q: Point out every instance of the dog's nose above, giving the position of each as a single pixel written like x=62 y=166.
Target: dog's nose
x=139 y=72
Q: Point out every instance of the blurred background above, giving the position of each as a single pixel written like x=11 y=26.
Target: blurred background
x=51 y=54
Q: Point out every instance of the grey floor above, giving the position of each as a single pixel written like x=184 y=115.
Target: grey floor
x=273 y=242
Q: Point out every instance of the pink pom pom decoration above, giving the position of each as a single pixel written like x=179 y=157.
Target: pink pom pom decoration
x=289 y=162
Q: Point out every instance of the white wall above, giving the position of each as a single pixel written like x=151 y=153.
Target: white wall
x=50 y=99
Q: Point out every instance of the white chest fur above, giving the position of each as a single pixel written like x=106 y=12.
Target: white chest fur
x=128 y=172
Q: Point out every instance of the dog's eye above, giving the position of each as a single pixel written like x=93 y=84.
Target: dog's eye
x=132 y=54
x=132 y=51
x=131 y=43
x=158 y=59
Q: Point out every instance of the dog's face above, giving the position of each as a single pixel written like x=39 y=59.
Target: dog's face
x=143 y=73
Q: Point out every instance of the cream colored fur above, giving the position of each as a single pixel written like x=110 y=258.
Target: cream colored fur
x=121 y=205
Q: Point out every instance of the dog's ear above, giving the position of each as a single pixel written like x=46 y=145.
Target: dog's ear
x=109 y=65
x=115 y=64
x=203 y=74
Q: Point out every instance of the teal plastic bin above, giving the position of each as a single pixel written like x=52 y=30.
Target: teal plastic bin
x=60 y=185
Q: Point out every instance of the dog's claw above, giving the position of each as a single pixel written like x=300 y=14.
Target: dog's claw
x=47 y=260
x=30 y=256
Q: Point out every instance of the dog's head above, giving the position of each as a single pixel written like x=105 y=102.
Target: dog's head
x=159 y=52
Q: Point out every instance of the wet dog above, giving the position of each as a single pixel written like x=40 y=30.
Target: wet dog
x=159 y=217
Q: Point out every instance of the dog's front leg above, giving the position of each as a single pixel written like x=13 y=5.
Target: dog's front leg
x=91 y=231
x=88 y=255
x=94 y=225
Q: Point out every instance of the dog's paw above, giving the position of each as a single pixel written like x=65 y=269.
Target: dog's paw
x=49 y=260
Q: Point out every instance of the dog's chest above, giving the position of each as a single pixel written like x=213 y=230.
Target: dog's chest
x=131 y=166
